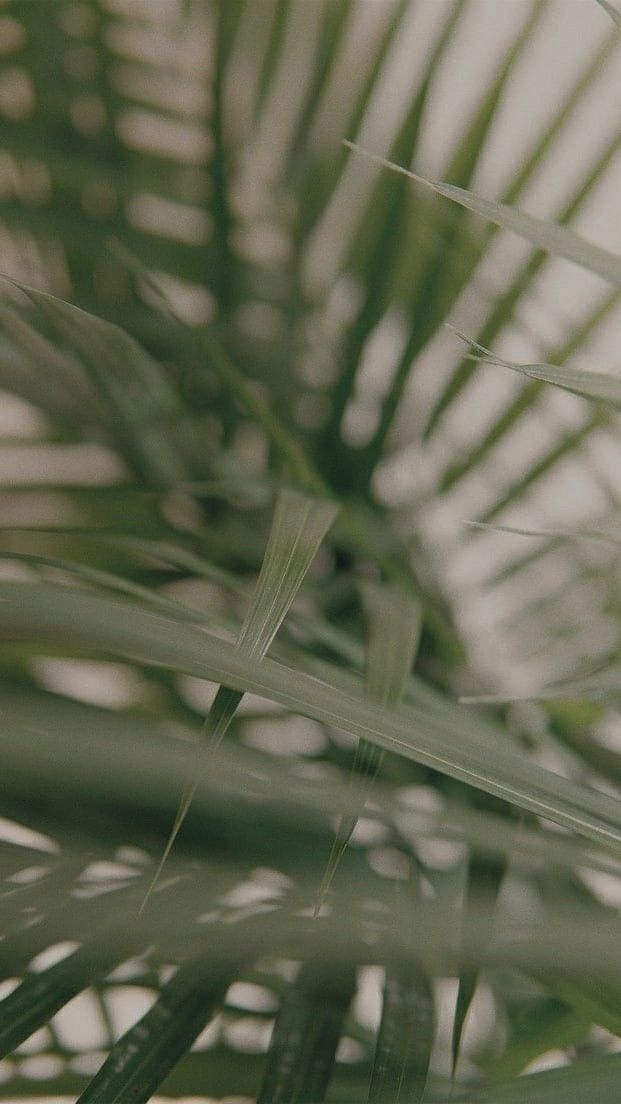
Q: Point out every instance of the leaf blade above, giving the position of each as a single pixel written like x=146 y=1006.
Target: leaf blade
x=405 y=1039
x=590 y=385
x=553 y=238
x=299 y=525
x=437 y=740
x=394 y=624
x=143 y=1057
x=306 y=1035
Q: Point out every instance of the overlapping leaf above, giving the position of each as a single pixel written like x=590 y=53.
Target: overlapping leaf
x=393 y=634
x=298 y=528
x=58 y=614
x=557 y=240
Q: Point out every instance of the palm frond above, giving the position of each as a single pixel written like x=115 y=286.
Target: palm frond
x=211 y=304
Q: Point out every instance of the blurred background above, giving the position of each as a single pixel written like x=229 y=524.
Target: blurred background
x=212 y=154
x=108 y=132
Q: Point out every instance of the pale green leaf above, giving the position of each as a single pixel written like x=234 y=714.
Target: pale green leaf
x=299 y=525
x=394 y=624
x=603 y=685
x=582 y=533
x=557 y=240
x=591 y=385
x=435 y=739
x=393 y=632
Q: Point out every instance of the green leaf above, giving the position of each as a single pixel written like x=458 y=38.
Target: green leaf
x=135 y=396
x=505 y=307
x=482 y=884
x=288 y=445
x=43 y=734
x=590 y=533
x=599 y=1001
x=528 y=396
x=108 y=581
x=546 y=1025
x=145 y=1055
x=41 y=995
x=568 y=444
x=452 y=256
x=306 y=1035
x=272 y=54
x=319 y=189
x=394 y=624
x=435 y=739
x=298 y=528
x=557 y=240
x=591 y=385
x=393 y=627
x=405 y=1039
x=603 y=685
x=589 y=1079
x=228 y=15
x=335 y=16
x=382 y=240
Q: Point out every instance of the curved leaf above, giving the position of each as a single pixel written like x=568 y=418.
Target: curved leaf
x=557 y=240
x=591 y=385
x=57 y=614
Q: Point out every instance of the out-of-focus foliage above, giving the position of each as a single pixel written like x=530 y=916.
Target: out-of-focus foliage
x=231 y=409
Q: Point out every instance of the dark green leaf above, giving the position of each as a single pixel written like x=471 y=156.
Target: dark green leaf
x=306 y=1035
x=145 y=1055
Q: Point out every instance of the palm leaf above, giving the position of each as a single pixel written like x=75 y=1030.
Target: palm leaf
x=592 y=385
x=298 y=529
x=557 y=240
x=405 y=1039
x=213 y=299
x=305 y=1037
x=394 y=630
x=139 y=1062
x=47 y=612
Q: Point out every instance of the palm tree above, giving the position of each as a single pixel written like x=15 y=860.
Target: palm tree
x=254 y=844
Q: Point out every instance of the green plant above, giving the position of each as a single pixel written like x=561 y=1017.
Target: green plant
x=195 y=304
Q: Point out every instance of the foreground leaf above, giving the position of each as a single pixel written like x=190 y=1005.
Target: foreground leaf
x=306 y=1035
x=433 y=738
x=42 y=733
x=394 y=624
x=557 y=240
x=590 y=1079
x=41 y=995
x=145 y=1055
x=405 y=1038
x=300 y=523
x=591 y=385
x=483 y=882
